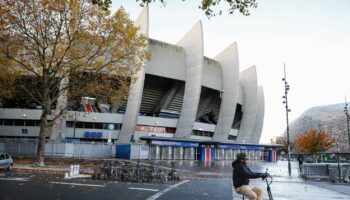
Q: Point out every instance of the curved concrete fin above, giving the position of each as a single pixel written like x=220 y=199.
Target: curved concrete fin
x=228 y=59
x=259 y=121
x=136 y=89
x=142 y=21
x=192 y=43
x=248 y=81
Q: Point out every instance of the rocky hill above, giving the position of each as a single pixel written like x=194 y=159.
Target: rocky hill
x=330 y=118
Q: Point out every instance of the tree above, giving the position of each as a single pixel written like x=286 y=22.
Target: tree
x=46 y=44
x=283 y=141
x=208 y=6
x=313 y=141
x=104 y=4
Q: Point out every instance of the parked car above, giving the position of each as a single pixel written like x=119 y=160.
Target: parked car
x=6 y=161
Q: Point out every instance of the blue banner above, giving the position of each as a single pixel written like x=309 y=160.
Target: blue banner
x=173 y=143
x=240 y=147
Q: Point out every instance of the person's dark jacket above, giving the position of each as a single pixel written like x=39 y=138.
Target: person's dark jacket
x=242 y=174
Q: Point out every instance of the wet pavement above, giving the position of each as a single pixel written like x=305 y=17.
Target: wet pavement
x=212 y=180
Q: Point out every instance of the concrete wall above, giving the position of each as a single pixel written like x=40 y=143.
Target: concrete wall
x=248 y=81
x=15 y=113
x=136 y=89
x=157 y=121
x=230 y=81
x=167 y=60
x=259 y=122
x=192 y=42
x=212 y=76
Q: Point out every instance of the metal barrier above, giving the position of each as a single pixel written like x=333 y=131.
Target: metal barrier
x=320 y=169
x=28 y=147
x=19 y=147
x=329 y=170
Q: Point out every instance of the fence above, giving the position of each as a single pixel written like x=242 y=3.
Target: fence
x=327 y=170
x=22 y=147
x=28 y=147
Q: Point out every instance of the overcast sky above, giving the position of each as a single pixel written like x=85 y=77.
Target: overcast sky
x=311 y=37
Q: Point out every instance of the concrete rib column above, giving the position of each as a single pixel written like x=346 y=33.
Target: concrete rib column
x=259 y=121
x=136 y=89
x=248 y=81
x=192 y=43
x=167 y=98
x=228 y=59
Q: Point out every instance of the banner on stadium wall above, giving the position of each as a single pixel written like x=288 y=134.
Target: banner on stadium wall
x=155 y=129
x=272 y=155
x=207 y=154
x=222 y=146
x=173 y=143
x=151 y=129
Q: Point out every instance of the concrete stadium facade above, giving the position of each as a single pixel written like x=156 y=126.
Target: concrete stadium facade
x=185 y=61
x=178 y=81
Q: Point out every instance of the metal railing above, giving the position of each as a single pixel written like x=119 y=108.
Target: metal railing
x=28 y=147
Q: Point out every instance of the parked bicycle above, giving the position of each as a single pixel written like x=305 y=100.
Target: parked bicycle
x=126 y=171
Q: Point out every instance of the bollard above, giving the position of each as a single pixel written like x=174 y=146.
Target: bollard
x=78 y=169
x=71 y=171
x=75 y=170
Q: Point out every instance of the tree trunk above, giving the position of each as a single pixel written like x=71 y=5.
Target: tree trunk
x=42 y=134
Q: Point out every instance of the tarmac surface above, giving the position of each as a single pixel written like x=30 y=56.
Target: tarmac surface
x=211 y=180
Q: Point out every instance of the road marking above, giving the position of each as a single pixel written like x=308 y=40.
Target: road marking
x=158 y=194
x=14 y=179
x=146 y=189
x=233 y=191
x=77 y=184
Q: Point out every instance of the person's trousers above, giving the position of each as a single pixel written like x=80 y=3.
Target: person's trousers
x=252 y=192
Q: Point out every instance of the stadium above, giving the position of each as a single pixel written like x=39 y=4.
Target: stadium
x=183 y=106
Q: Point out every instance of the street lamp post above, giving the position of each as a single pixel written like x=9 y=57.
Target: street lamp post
x=285 y=97
x=338 y=159
x=347 y=119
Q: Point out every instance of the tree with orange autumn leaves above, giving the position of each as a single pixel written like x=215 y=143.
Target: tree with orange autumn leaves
x=313 y=141
x=52 y=47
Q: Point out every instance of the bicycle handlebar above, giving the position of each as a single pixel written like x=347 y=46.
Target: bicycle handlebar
x=268 y=182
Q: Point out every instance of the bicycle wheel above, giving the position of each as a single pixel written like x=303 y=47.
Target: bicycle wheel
x=163 y=178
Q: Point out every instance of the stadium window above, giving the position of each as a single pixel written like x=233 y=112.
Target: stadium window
x=89 y=125
x=195 y=132
x=231 y=137
x=79 y=125
x=1 y=122
x=105 y=126
x=8 y=122
x=98 y=125
x=29 y=123
x=19 y=122
x=69 y=124
x=117 y=126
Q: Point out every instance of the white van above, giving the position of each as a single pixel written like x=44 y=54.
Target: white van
x=6 y=161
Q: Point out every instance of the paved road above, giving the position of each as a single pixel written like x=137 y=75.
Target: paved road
x=203 y=181
x=44 y=186
x=25 y=186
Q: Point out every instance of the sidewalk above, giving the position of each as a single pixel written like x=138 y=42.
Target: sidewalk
x=283 y=186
